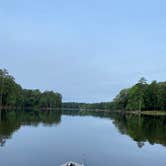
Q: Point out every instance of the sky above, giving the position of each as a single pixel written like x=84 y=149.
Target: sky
x=87 y=50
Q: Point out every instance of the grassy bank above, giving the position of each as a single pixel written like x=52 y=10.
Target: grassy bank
x=154 y=113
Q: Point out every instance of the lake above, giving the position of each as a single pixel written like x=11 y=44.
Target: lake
x=41 y=138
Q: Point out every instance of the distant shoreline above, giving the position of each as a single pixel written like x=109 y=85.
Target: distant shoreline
x=154 y=113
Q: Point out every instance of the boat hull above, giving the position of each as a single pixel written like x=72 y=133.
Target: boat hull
x=71 y=162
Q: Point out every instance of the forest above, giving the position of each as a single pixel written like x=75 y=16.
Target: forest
x=13 y=95
x=140 y=97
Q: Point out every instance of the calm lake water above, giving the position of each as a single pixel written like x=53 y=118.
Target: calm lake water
x=51 y=138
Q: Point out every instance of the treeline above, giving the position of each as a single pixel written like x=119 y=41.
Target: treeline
x=13 y=95
x=97 y=106
x=75 y=105
x=140 y=97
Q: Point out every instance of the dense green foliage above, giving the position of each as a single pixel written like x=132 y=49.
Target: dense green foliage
x=12 y=95
x=142 y=96
x=72 y=105
x=102 y=105
x=75 y=105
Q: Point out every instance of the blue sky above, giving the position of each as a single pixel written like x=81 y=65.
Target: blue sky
x=87 y=50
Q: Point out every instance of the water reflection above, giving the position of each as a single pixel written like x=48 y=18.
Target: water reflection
x=11 y=121
x=141 y=128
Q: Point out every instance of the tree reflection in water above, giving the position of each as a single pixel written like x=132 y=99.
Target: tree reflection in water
x=141 y=128
x=11 y=121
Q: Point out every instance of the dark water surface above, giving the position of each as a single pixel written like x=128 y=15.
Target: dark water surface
x=50 y=139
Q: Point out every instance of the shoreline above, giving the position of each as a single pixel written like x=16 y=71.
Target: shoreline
x=152 y=113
